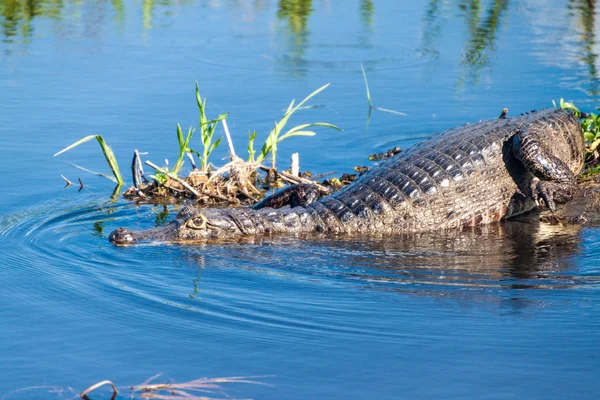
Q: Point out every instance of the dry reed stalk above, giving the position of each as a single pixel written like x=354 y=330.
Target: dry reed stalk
x=87 y=391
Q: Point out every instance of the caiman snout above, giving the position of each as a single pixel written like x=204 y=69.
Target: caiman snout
x=122 y=236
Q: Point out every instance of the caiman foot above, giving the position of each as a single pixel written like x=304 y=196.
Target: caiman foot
x=547 y=194
x=300 y=195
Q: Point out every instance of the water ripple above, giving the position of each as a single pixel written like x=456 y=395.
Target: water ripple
x=275 y=283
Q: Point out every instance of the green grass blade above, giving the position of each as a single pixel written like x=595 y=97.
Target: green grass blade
x=288 y=114
x=180 y=137
x=251 y=150
x=310 y=96
x=391 y=111
x=77 y=143
x=290 y=106
x=296 y=133
x=214 y=145
x=108 y=155
x=366 y=86
x=298 y=128
x=110 y=159
x=212 y=121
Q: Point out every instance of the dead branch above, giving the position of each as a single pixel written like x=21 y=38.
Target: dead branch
x=84 y=394
x=294 y=179
x=69 y=183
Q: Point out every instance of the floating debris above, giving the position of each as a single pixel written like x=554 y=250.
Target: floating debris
x=386 y=155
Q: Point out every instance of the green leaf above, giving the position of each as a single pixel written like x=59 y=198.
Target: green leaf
x=251 y=150
x=214 y=145
x=106 y=150
x=77 y=143
x=296 y=133
x=290 y=106
x=589 y=136
x=366 y=86
x=180 y=136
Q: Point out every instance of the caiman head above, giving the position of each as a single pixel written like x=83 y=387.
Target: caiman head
x=190 y=225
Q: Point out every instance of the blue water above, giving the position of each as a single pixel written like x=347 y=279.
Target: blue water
x=507 y=311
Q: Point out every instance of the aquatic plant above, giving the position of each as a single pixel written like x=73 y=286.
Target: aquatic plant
x=108 y=154
x=275 y=136
x=183 y=146
x=207 y=129
x=371 y=106
x=590 y=124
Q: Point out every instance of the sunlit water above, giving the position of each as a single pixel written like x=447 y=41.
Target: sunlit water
x=503 y=312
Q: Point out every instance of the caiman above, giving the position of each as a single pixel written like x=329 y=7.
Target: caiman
x=467 y=176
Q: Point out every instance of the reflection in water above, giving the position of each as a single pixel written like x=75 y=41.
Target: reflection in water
x=490 y=263
x=296 y=13
x=484 y=19
x=509 y=255
x=587 y=21
x=483 y=33
x=367 y=11
x=17 y=16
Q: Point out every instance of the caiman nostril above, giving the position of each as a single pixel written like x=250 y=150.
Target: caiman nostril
x=121 y=236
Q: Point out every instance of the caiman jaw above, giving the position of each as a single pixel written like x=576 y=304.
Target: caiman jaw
x=122 y=237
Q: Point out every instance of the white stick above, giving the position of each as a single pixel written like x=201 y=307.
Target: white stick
x=295 y=167
x=228 y=136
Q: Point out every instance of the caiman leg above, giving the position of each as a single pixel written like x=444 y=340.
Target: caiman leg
x=299 y=195
x=553 y=181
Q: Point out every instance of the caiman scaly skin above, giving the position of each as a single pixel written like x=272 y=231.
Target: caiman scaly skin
x=467 y=176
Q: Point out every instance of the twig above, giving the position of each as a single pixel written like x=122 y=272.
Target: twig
x=84 y=394
x=174 y=177
x=228 y=136
x=80 y=183
x=293 y=179
x=69 y=183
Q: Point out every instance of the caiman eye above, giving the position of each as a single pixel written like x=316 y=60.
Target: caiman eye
x=198 y=222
